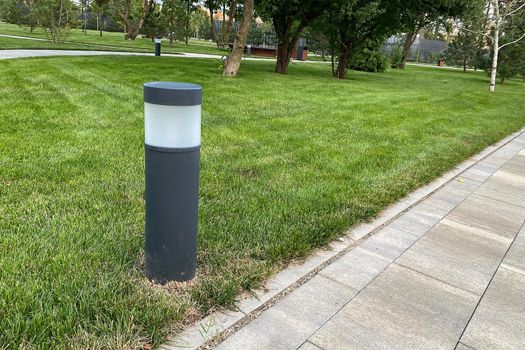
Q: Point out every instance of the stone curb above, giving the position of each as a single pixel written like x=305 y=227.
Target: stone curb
x=213 y=329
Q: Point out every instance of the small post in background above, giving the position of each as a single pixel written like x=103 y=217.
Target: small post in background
x=157 y=46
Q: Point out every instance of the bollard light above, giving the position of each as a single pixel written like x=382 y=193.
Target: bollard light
x=157 y=46
x=172 y=123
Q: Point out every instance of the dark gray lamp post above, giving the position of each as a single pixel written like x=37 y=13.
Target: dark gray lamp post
x=172 y=114
x=157 y=46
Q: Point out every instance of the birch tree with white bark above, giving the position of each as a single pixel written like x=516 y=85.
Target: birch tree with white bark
x=500 y=13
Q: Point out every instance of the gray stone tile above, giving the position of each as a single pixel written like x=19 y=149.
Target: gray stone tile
x=511 y=176
x=446 y=200
x=499 y=321
x=355 y=269
x=480 y=172
x=419 y=219
x=463 y=347
x=489 y=215
x=500 y=189
x=517 y=164
x=401 y=309
x=515 y=258
x=389 y=243
x=283 y=280
x=309 y=346
x=450 y=253
x=501 y=156
x=289 y=323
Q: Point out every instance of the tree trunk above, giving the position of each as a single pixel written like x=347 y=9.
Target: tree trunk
x=188 y=13
x=81 y=11
x=409 y=40
x=132 y=31
x=233 y=62
x=227 y=27
x=495 y=48
x=332 y=54
x=101 y=25
x=212 y=22
x=287 y=40
x=464 y=65
x=344 y=57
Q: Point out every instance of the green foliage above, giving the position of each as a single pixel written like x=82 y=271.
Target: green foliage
x=176 y=18
x=368 y=60
x=260 y=33
x=154 y=25
x=467 y=47
x=511 y=58
x=511 y=61
x=396 y=55
x=18 y=12
x=56 y=17
x=200 y=24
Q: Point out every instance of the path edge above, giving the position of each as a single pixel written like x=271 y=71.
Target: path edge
x=215 y=328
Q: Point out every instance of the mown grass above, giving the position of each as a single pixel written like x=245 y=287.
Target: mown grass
x=288 y=163
x=110 y=41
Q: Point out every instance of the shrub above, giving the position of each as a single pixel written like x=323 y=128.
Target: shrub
x=369 y=60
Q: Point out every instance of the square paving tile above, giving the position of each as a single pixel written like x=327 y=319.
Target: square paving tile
x=489 y=215
x=293 y=319
x=480 y=172
x=501 y=189
x=389 y=243
x=517 y=164
x=515 y=258
x=450 y=253
x=499 y=321
x=401 y=309
x=356 y=269
x=419 y=219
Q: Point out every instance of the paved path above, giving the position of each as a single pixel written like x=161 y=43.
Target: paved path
x=20 y=53
x=447 y=274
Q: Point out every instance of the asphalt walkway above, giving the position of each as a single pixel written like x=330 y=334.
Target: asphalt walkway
x=447 y=274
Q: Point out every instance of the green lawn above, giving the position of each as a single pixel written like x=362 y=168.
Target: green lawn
x=288 y=163
x=110 y=41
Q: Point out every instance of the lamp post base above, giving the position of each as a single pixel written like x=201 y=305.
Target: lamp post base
x=172 y=192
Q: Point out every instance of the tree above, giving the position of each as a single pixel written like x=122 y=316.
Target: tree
x=56 y=17
x=212 y=6
x=417 y=14
x=362 y=24
x=462 y=52
x=100 y=6
x=502 y=14
x=233 y=61
x=175 y=15
x=84 y=5
x=200 y=24
x=290 y=18
x=511 y=61
x=154 y=25
x=227 y=24
x=466 y=49
x=20 y=12
x=132 y=13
